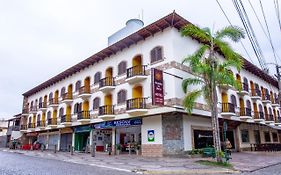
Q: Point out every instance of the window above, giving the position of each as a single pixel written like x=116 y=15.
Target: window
x=233 y=100
x=248 y=103
x=245 y=135
x=275 y=137
x=77 y=108
x=97 y=77
x=61 y=111
x=156 y=54
x=62 y=91
x=122 y=67
x=121 y=96
x=267 y=136
x=49 y=115
x=96 y=103
x=51 y=96
x=77 y=86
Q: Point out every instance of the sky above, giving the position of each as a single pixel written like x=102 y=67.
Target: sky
x=40 y=39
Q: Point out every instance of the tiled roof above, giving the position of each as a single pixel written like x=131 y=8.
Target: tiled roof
x=171 y=20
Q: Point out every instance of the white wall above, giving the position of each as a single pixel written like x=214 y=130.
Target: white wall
x=152 y=123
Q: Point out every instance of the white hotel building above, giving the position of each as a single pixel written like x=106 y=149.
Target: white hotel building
x=78 y=107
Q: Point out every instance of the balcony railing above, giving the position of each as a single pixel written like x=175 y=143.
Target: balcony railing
x=23 y=127
x=270 y=117
x=107 y=81
x=65 y=118
x=228 y=107
x=31 y=125
x=33 y=108
x=67 y=96
x=256 y=92
x=245 y=112
x=42 y=105
x=54 y=101
x=40 y=123
x=52 y=121
x=84 y=90
x=266 y=97
x=83 y=115
x=136 y=70
x=136 y=103
x=106 y=110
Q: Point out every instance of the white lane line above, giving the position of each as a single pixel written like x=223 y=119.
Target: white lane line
x=109 y=167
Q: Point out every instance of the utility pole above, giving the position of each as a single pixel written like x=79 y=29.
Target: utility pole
x=278 y=75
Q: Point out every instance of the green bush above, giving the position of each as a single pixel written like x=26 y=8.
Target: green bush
x=196 y=151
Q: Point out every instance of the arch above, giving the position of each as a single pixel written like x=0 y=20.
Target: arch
x=38 y=118
x=156 y=54
x=238 y=77
x=36 y=103
x=77 y=108
x=97 y=77
x=45 y=99
x=121 y=96
x=256 y=110
x=31 y=105
x=56 y=96
x=248 y=104
x=87 y=84
x=29 y=120
x=233 y=100
x=122 y=67
x=69 y=91
x=96 y=103
x=137 y=92
x=108 y=99
x=40 y=102
x=245 y=84
x=77 y=85
x=62 y=91
x=260 y=108
x=109 y=72
x=242 y=105
x=252 y=86
x=49 y=115
x=137 y=60
x=68 y=110
x=224 y=97
x=55 y=112
x=271 y=97
x=51 y=96
x=43 y=117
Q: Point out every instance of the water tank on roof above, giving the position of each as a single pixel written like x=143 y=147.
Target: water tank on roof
x=132 y=25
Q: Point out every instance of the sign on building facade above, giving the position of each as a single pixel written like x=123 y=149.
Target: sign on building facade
x=157 y=87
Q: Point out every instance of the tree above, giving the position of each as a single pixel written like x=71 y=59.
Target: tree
x=209 y=71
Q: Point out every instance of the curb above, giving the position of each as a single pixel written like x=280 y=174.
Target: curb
x=193 y=171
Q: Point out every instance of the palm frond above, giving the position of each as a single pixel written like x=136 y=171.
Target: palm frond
x=196 y=32
x=227 y=78
x=234 y=33
x=189 y=100
x=191 y=81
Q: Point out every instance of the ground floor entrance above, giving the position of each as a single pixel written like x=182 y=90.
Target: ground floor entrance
x=82 y=138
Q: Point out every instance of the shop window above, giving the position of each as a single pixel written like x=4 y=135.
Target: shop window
x=96 y=103
x=122 y=67
x=97 y=77
x=121 y=96
x=77 y=86
x=156 y=54
x=275 y=137
x=267 y=137
x=245 y=136
x=202 y=139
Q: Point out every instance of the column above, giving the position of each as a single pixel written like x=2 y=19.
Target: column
x=113 y=140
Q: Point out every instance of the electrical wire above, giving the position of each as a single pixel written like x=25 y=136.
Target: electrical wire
x=232 y=25
x=276 y=6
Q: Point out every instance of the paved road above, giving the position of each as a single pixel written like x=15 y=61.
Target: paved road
x=18 y=164
x=272 y=170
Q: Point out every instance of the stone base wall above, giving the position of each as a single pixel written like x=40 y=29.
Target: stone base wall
x=152 y=150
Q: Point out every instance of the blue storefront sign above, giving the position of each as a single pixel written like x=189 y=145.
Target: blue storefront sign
x=82 y=129
x=118 y=123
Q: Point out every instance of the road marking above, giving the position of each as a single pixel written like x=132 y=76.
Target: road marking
x=109 y=167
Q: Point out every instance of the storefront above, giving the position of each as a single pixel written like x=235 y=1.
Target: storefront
x=43 y=138
x=65 y=139
x=82 y=138
x=32 y=137
x=53 y=141
x=124 y=134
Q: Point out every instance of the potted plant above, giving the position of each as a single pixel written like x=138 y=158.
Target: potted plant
x=118 y=149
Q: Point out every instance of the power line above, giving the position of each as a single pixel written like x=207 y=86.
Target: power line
x=232 y=25
x=276 y=6
x=270 y=40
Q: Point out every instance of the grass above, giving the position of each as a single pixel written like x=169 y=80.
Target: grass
x=216 y=164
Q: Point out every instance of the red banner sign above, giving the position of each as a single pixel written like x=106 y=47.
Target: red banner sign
x=157 y=87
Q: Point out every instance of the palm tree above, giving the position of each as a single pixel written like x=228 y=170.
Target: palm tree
x=209 y=71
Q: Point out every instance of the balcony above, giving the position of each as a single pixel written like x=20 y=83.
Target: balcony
x=107 y=84
x=245 y=113
x=259 y=117
x=244 y=90
x=31 y=126
x=278 y=121
x=228 y=110
x=33 y=109
x=25 y=112
x=84 y=92
x=43 y=106
x=83 y=116
x=269 y=118
x=266 y=99
x=136 y=106
x=41 y=124
x=136 y=74
x=54 y=102
x=275 y=103
x=52 y=122
x=66 y=120
x=23 y=127
x=225 y=87
x=106 y=112
x=256 y=94
x=67 y=98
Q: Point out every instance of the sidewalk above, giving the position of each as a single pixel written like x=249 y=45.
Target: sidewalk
x=132 y=163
